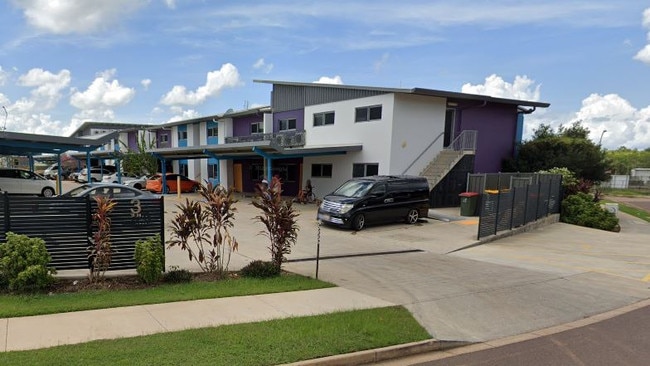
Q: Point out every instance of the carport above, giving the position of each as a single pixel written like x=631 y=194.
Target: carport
x=267 y=149
x=30 y=145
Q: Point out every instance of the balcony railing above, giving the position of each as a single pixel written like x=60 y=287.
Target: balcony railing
x=281 y=139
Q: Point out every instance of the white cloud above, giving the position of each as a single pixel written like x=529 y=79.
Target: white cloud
x=170 y=4
x=522 y=88
x=625 y=125
x=48 y=86
x=73 y=16
x=145 y=83
x=328 y=80
x=181 y=114
x=98 y=100
x=379 y=64
x=216 y=81
x=644 y=54
x=3 y=76
x=262 y=65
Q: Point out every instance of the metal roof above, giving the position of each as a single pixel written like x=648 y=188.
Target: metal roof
x=24 y=144
x=249 y=149
x=416 y=91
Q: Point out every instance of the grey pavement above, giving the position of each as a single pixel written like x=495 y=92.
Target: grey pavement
x=519 y=284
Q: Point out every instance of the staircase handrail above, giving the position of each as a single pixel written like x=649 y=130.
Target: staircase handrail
x=422 y=153
x=466 y=141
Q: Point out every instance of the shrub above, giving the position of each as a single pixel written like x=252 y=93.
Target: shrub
x=580 y=209
x=176 y=275
x=23 y=264
x=149 y=259
x=260 y=269
x=203 y=228
x=279 y=219
x=101 y=253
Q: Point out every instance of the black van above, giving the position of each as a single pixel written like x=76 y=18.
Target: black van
x=376 y=199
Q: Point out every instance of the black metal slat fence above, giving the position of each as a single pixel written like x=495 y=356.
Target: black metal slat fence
x=521 y=201
x=65 y=224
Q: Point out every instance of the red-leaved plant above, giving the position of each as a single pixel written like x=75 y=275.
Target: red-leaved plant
x=202 y=228
x=101 y=253
x=279 y=219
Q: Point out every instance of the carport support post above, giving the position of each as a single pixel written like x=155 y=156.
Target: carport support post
x=163 y=171
x=269 y=161
x=88 y=170
x=59 y=186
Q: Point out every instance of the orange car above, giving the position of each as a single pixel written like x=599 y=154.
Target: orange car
x=154 y=184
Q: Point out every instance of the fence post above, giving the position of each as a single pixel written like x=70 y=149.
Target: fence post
x=539 y=189
x=512 y=204
x=7 y=212
x=162 y=229
x=496 y=214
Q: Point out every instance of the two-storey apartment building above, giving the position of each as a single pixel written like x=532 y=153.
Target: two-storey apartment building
x=329 y=133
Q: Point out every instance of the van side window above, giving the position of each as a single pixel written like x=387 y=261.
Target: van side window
x=379 y=189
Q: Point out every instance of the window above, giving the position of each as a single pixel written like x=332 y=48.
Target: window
x=164 y=138
x=321 y=170
x=213 y=131
x=257 y=127
x=182 y=135
x=287 y=124
x=322 y=119
x=364 y=114
x=364 y=170
x=213 y=171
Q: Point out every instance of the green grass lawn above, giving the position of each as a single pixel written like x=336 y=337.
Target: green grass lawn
x=264 y=343
x=641 y=214
x=25 y=305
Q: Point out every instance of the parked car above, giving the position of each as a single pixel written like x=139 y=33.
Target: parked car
x=53 y=171
x=96 y=174
x=376 y=199
x=154 y=184
x=112 y=190
x=138 y=183
x=21 y=181
x=126 y=177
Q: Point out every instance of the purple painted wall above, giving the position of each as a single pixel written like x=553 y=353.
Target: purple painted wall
x=160 y=133
x=298 y=114
x=241 y=126
x=133 y=140
x=497 y=126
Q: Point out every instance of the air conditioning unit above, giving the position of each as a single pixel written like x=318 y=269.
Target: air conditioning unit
x=298 y=140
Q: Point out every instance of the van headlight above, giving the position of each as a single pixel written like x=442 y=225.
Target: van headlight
x=346 y=207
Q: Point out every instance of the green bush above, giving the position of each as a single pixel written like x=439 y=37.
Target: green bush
x=580 y=209
x=23 y=264
x=260 y=269
x=149 y=259
x=175 y=275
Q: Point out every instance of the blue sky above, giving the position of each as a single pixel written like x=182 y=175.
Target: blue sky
x=136 y=61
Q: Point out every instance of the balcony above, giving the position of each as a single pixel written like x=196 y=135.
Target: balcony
x=281 y=139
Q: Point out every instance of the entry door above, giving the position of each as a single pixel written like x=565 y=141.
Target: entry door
x=237 y=177
x=450 y=117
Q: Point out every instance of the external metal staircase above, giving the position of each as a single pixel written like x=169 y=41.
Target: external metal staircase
x=446 y=160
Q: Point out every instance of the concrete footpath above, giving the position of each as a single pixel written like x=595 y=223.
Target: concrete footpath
x=32 y=332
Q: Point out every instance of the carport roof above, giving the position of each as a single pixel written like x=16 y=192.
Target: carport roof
x=14 y=143
x=240 y=150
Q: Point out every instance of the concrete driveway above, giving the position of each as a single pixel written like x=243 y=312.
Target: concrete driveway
x=553 y=275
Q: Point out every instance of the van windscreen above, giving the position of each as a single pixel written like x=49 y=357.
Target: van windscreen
x=354 y=188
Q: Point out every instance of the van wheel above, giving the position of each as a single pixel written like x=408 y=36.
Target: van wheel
x=413 y=216
x=359 y=222
x=194 y=189
x=48 y=192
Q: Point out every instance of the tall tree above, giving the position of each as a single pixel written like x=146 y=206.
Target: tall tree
x=138 y=160
x=568 y=147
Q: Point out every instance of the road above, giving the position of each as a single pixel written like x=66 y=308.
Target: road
x=621 y=340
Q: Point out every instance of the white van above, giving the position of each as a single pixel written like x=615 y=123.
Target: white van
x=21 y=181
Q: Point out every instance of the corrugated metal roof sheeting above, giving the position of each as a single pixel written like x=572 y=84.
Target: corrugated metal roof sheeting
x=288 y=97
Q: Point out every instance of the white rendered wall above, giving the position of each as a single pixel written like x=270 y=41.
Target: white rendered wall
x=174 y=144
x=417 y=122
x=375 y=136
x=225 y=129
